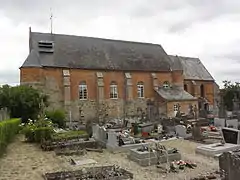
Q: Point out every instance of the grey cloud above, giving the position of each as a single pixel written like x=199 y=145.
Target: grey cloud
x=9 y=77
x=35 y=11
x=38 y=12
x=228 y=74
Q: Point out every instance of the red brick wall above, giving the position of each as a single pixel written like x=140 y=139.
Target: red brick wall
x=208 y=88
x=76 y=76
x=30 y=75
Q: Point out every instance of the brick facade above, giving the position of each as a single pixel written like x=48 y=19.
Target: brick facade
x=64 y=91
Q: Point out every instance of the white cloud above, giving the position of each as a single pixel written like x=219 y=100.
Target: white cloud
x=207 y=30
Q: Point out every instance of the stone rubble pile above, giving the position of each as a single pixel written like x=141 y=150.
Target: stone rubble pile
x=214 y=175
x=100 y=173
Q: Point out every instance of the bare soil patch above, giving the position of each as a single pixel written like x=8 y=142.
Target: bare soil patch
x=27 y=161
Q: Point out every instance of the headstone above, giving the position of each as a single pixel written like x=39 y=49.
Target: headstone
x=196 y=133
x=235 y=104
x=112 y=139
x=195 y=111
x=181 y=131
x=229 y=113
x=231 y=135
x=232 y=123
x=219 y=122
x=94 y=130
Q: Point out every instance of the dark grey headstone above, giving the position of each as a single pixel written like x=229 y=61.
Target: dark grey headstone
x=231 y=135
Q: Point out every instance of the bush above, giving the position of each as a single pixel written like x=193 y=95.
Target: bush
x=38 y=131
x=57 y=117
x=22 y=101
x=43 y=133
x=8 y=129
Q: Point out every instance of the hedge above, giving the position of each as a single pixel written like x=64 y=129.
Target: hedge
x=42 y=133
x=8 y=129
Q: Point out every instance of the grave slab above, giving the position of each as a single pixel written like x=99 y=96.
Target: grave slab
x=232 y=142
x=151 y=158
x=84 y=162
x=216 y=149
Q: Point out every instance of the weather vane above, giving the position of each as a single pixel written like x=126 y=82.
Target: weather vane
x=51 y=19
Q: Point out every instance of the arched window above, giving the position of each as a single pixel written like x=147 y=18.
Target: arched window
x=83 y=90
x=166 y=84
x=140 y=89
x=185 y=87
x=202 y=90
x=113 y=90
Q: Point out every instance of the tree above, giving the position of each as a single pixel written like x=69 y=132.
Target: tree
x=22 y=101
x=228 y=92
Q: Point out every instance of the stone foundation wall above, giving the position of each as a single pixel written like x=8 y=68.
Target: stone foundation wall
x=110 y=108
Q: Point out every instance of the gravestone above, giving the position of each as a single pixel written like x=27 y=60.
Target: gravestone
x=231 y=135
x=197 y=133
x=235 y=104
x=195 y=109
x=181 y=131
x=233 y=123
x=94 y=130
x=219 y=122
x=112 y=139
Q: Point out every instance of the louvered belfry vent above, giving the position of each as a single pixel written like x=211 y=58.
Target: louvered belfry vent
x=46 y=46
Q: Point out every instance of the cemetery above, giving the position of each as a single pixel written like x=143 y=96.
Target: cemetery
x=159 y=146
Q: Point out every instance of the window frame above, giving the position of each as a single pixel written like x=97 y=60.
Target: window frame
x=140 y=89
x=82 y=91
x=175 y=107
x=166 y=84
x=113 y=90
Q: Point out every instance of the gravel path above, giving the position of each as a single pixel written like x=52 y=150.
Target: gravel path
x=27 y=161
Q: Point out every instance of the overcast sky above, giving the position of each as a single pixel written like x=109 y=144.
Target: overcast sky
x=208 y=29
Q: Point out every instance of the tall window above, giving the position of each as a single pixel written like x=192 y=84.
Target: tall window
x=113 y=90
x=185 y=87
x=202 y=91
x=175 y=107
x=83 y=90
x=140 y=89
x=166 y=84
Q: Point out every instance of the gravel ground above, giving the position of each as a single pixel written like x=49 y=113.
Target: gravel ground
x=27 y=161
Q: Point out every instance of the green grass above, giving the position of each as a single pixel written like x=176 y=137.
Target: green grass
x=69 y=134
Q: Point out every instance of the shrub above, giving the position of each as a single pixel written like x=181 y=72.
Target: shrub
x=38 y=131
x=57 y=117
x=8 y=129
x=43 y=133
x=22 y=101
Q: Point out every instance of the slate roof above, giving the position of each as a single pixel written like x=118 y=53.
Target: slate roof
x=96 y=53
x=174 y=94
x=193 y=68
x=176 y=64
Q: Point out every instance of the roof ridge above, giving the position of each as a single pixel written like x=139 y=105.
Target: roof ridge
x=106 y=39
x=189 y=58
